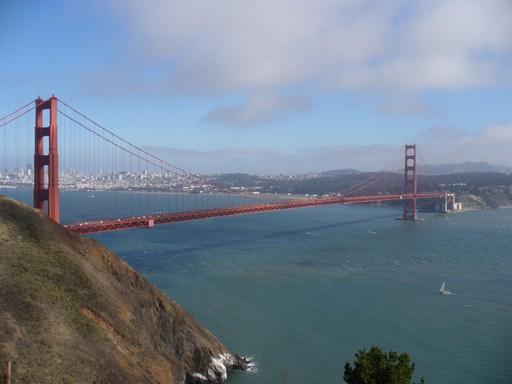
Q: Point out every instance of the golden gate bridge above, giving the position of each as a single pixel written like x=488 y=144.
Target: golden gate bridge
x=63 y=138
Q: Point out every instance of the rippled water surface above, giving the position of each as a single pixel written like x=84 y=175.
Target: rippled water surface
x=303 y=290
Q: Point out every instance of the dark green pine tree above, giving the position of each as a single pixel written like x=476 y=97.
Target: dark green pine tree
x=378 y=367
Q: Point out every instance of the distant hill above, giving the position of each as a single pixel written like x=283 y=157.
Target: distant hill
x=476 y=189
x=338 y=172
x=71 y=311
x=465 y=167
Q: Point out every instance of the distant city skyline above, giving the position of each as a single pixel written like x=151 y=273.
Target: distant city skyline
x=269 y=87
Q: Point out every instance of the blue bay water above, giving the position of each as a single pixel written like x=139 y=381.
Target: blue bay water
x=302 y=290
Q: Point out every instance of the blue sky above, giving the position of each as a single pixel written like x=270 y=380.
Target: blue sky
x=273 y=86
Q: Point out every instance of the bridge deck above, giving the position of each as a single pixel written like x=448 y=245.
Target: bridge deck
x=152 y=220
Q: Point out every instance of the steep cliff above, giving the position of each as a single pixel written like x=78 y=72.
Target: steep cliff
x=71 y=311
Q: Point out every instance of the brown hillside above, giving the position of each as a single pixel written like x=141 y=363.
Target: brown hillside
x=71 y=311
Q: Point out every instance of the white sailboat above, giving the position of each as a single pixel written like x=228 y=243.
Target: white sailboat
x=443 y=290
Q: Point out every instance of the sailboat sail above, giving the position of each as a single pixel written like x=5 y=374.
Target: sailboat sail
x=442 y=290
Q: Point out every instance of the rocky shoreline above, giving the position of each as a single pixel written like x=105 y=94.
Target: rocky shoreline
x=217 y=370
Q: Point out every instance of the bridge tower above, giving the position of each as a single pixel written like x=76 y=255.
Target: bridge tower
x=410 y=182
x=46 y=165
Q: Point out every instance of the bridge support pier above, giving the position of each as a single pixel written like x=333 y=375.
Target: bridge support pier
x=410 y=183
x=46 y=165
x=450 y=203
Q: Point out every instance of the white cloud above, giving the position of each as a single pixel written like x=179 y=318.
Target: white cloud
x=247 y=45
x=271 y=46
x=491 y=145
x=406 y=105
x=258 y=109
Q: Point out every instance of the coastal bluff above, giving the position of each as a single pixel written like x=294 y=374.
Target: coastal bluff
x=71 y=311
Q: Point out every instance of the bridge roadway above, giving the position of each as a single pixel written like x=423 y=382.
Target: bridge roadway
x=174 y=217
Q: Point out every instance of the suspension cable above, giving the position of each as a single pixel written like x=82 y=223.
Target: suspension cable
x=152 y=162
x=133 y=145
x=18 y=115
x=372 y=179
x=18 y=110
x=429 y=170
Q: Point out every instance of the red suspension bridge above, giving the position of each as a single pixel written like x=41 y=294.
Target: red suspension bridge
x=70 y=151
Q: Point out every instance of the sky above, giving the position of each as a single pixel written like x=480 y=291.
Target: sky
x=273 y=86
